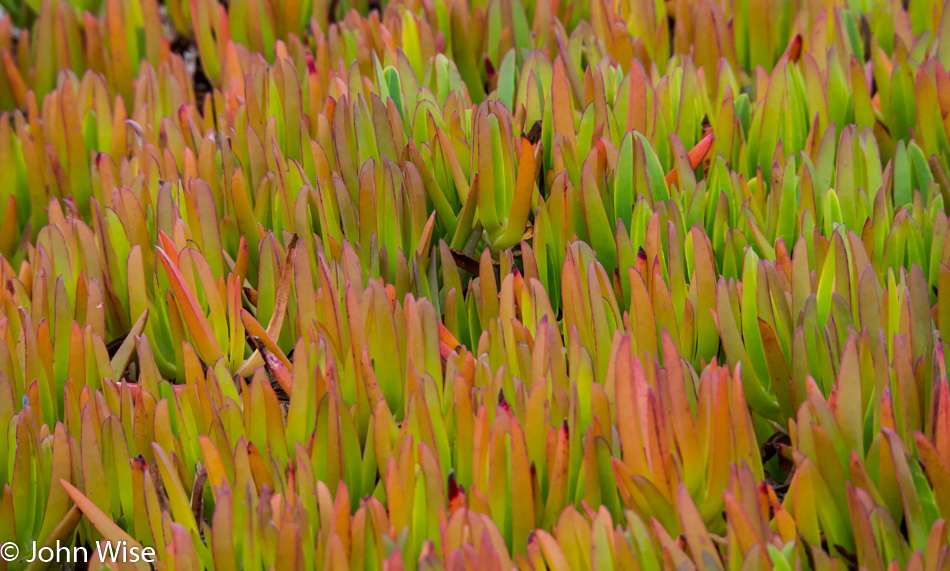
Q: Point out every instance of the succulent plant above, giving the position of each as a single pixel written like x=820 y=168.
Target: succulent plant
x=502 y=284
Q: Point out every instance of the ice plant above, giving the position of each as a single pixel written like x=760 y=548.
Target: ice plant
x=500 y=284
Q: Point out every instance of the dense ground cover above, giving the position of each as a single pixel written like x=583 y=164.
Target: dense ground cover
x=442 y=284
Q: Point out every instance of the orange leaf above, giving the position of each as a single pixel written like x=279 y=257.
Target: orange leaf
x=103 y=523
x=201 y=332
x=254 y=328
x=696 y=156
